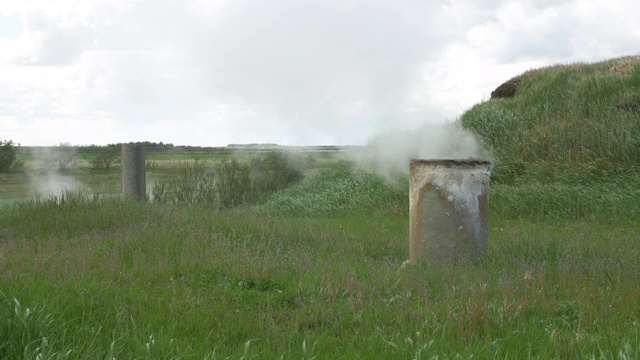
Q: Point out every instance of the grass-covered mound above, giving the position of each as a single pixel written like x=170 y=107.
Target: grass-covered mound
x=565 y=142
x=564 y=123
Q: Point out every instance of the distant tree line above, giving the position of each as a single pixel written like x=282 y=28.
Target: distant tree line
x=150 y=148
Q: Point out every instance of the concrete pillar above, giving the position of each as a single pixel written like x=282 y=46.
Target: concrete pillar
x=448 y=209
x=134 y=181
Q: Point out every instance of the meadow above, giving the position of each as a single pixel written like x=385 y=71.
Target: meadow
x=305 y=275
x=314 y=269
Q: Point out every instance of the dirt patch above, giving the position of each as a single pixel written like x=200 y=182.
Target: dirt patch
x=508 y=89
x=632 y=104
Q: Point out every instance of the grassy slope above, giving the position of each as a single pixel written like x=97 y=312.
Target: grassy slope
x=566 y=123
x=567 y=145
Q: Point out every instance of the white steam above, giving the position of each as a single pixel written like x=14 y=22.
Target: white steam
x=52 y=183
x=388 y=154
x=51 y=178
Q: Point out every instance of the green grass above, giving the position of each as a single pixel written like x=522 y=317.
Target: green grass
x=340 y=189
x=578 y=119
x=135 y=280
x=608 y=203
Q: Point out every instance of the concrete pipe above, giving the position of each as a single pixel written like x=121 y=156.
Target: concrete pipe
x=449 y=209
x=134 y=183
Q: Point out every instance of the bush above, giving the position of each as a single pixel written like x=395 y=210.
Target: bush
x=105 y=158
x=58 y=157
x=192 y=186
x=7 y=154
x=230 y=184
x=272 y=173
x=233 y=183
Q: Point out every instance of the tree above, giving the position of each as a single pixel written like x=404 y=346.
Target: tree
x=7 y=154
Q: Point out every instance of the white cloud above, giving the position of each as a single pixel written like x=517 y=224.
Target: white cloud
x=292 y=72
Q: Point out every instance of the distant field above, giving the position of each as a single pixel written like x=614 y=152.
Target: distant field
x=34 y=180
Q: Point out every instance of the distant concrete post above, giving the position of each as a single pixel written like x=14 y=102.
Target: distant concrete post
x=448 y=209
x=134 y=181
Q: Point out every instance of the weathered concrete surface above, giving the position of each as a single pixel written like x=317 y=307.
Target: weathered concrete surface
x=134 y=181
x=449 y=209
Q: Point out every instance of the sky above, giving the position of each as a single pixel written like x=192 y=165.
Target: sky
x=291 y=72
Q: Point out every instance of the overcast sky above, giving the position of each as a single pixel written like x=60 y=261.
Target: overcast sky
x=292 y=72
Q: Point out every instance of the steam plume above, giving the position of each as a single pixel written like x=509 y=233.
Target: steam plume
x=388 y=154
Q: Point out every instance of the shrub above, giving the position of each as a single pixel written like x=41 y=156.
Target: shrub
x=192 y=186
x=273 y=172
x=105 y=158
x=233 y=183
x=7 y=154
x=58 y=157
x=228 y=186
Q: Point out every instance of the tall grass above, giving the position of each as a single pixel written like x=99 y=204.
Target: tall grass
x=150 y=281
x=230 y=183
x=609 y=202
x=566 y=146
x=340 y=189
x=581 y=119
x=192 y=185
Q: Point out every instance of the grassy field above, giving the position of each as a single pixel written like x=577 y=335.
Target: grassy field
x=91 y=278
x=97 y=277
x=315 y=270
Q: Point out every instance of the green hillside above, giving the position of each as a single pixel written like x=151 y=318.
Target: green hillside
x=564 y=123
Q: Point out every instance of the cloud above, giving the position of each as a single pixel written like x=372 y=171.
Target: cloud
x=557 y=31
x=296 y=72
x=323 y=58
x=56 y=45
